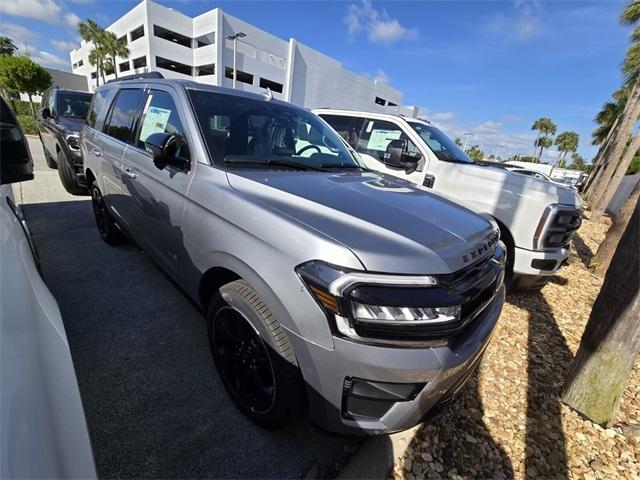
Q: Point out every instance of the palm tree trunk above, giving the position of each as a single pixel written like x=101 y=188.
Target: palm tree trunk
x=535 y=147
x=614 y=183
x=33 y=110
x=613 y=152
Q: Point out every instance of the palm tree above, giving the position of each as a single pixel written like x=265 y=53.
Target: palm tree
x=543 y=142
x=545 y=128
x=606 y=118
x=7 y=47
x=566 y=142
x=90 y=31
x=114 y=47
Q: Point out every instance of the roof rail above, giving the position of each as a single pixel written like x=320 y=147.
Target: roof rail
x=137 y=76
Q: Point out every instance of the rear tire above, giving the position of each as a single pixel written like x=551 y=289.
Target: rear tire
x=68 y=177
x=253 y=356
x=107 y=228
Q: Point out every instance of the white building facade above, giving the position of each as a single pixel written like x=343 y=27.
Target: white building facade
x=178 y=46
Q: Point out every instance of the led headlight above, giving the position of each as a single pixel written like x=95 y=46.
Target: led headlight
x=377 y=306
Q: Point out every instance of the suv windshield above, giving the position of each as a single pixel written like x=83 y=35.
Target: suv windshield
x=74 y=105
x=441 y=145
x=247 y=131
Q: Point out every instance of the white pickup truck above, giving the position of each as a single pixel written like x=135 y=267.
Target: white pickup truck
x=537 y=219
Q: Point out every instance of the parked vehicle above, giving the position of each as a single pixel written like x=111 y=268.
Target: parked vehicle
x=44 y=432
x=60 y=119
x=536 y=219
x=535 y=174
x=322 y=282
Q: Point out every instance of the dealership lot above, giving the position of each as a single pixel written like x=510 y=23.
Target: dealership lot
x=154 y=404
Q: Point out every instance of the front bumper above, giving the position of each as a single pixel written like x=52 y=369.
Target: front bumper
x=536 y=263
x=442 y=370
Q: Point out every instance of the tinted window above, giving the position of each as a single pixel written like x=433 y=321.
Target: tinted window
x=347 y=127
x=98 y=109
x=245 y=131
x=52 y=104
x=160 y=115
x=122 y=114
x=74 y=105
x=377 y=134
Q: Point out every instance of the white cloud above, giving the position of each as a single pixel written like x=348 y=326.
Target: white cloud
x=381 y=77
x=44 y=10
x=377 y=24
x=64 y=46
x=443 y=116
x=19 y=34
x=50 y=60
x=521 y=23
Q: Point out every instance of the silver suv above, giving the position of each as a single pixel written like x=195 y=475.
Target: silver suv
x=324 y=284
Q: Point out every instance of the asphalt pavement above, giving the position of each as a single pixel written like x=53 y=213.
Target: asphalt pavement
x=154 y=404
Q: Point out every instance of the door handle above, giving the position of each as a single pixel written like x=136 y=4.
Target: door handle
x=97 y=153
x=129 y=173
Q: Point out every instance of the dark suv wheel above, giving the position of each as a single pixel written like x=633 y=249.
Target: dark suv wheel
x=68 y=176
x=253 y=356
x=107 y=227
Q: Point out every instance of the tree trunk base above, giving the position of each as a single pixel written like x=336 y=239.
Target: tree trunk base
x=596 y=389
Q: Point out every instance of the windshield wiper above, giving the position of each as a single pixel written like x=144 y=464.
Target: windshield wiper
x=349 y=166
x=275 y=163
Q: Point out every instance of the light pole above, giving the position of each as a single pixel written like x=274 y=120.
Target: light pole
x=466 y=139
x=235 y=38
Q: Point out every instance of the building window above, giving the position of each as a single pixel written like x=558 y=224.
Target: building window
x=243 y=77
x=171 y=36
x=203 y=70
x=80 y=63
x=93 y=75
x=274 y=86
x=123 y=39
x=173 y=66
x=75 y=65
x=391 y=104
x=124 y=66
x=137 y=33
x=204 y=40
x=140 y=62
x=380 y=101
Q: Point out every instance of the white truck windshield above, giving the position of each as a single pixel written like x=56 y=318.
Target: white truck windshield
x=441 y=145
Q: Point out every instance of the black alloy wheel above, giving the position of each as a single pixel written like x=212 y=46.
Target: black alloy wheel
x=243 y=360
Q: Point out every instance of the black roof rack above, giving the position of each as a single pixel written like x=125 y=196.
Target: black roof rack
x=137 y=76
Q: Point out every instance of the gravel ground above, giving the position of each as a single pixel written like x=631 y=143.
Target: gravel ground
x=509 y=422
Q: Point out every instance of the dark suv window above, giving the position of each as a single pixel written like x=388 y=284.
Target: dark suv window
x=73 y=104
x=97 y=109
x=122 y=114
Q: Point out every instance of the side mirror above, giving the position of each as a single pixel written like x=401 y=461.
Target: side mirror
x=167 y=149
x=16 y=164
x=396 y=156
x=45 y=112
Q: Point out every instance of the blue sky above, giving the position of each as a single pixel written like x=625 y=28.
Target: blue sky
x=486 y=67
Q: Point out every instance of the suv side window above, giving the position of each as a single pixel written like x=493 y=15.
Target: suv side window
x=123 y=112
x=160 y=115
x=98 y=109
x=377 y=134
x=52 y=104
x=347 y=127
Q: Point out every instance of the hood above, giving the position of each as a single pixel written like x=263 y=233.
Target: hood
x=391 y=225
x=524 y=185
x=71 y=125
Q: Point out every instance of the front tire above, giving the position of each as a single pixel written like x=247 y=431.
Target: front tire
x=107 y=228
x=253 y=356
x=68 y=177
x=51 y=163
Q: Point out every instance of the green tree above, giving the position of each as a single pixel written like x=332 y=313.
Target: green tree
x=607 y=116
x=542 y=142
x=22 y=75
x=475 y=153
x=7 y=47
x=577 y=162
x=458 y=141
x=91 y=32
x=546 y=128
x=566 y=142
x=114 y=47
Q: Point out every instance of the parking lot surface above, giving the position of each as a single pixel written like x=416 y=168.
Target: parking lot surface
x=153 y=401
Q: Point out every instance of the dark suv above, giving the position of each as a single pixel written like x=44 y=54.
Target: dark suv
x=60 y=119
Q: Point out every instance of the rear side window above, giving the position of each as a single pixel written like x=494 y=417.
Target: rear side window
x=377 y=135
x=348 y=127
x=123 y=112
x=98 y=109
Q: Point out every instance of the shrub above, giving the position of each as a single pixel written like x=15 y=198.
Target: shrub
x=22 y=108
x=28 y=124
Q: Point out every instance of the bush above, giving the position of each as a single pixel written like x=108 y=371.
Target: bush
x=22 y=108
x=28 y=124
